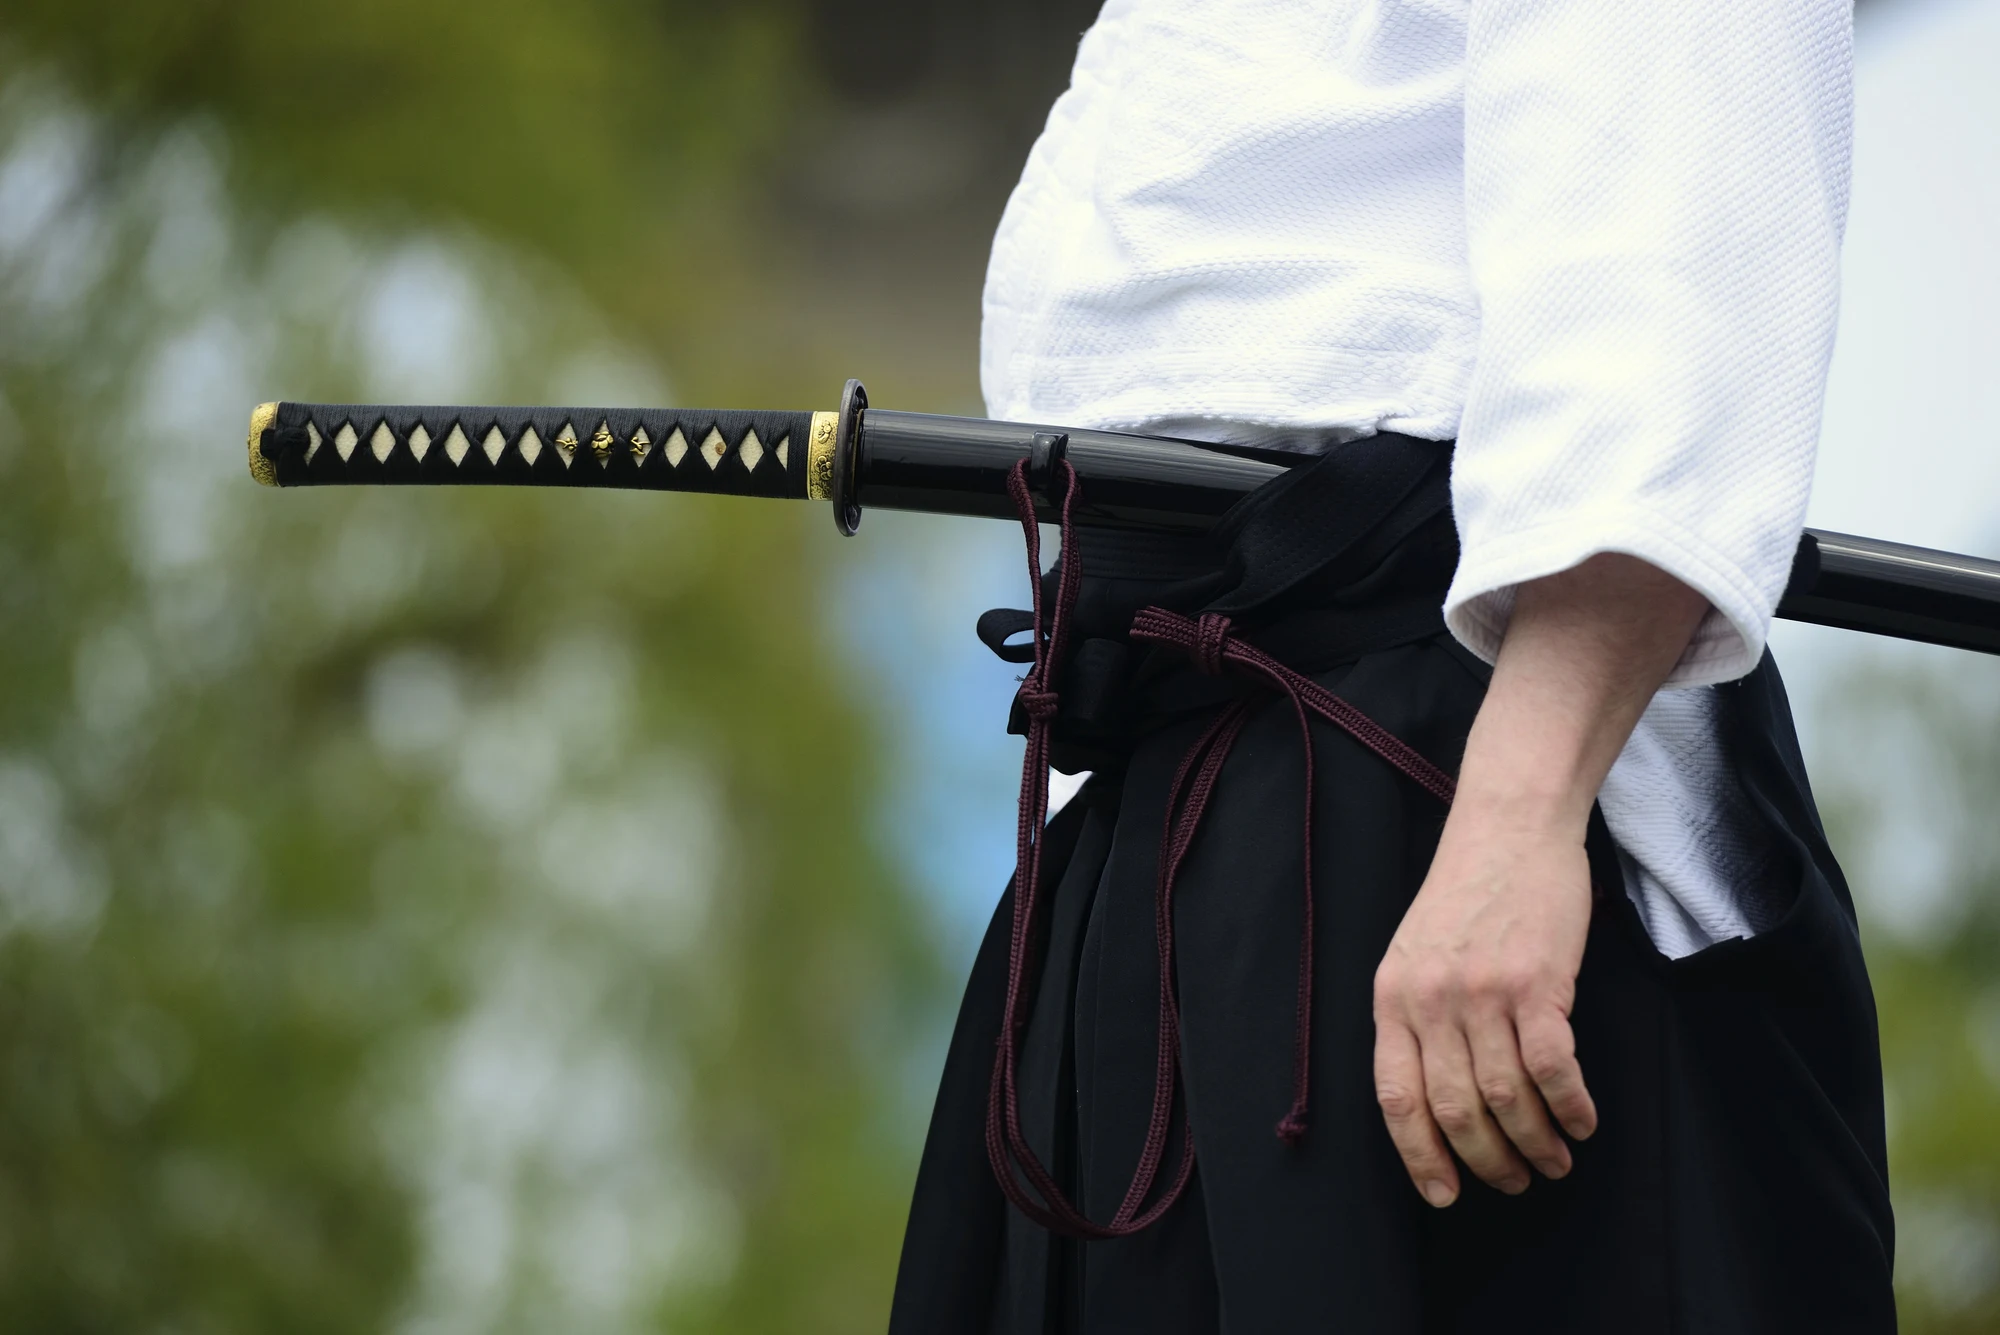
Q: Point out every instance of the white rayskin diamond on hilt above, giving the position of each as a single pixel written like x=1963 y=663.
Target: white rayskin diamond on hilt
x=713 y=447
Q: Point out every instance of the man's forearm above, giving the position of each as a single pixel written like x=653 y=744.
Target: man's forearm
x=1584 y=652
x=1473 y=1044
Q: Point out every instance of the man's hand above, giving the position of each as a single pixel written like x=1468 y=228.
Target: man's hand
x=1473 y=1046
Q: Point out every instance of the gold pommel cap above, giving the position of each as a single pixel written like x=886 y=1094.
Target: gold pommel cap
x=261 y=419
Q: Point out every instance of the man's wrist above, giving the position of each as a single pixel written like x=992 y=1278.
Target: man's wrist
x=1528 y=803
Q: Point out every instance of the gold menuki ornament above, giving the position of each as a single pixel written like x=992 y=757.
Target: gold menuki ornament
x=819 y=456
x=261 y=419
x=601 y=441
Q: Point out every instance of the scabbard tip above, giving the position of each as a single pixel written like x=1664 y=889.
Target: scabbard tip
x=262 y=419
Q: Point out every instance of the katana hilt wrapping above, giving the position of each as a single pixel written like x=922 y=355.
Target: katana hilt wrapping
x=765 y=454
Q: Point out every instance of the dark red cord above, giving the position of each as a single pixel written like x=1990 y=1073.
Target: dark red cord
x=1210 y=642
x=1006 y=1146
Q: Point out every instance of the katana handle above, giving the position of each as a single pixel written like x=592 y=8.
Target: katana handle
x=766 y=454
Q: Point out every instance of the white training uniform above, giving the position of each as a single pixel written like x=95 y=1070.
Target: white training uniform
x=1595 y=241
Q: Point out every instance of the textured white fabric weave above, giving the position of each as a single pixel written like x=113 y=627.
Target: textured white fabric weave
x=1596 y=241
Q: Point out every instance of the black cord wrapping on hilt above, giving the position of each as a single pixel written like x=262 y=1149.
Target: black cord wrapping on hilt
x=646 y=449
x=277 y=440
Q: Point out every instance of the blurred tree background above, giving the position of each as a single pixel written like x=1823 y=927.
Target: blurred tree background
x=1914 y=740
x=469 y=912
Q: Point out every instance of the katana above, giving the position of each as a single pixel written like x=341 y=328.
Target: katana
x=858 y=457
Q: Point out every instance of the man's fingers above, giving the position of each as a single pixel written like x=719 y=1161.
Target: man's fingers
x=1399 y=1088
x=1460 y=1112
x=1512 y=1098
x=1548 y=1053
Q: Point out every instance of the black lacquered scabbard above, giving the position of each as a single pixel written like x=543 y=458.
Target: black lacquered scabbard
x=1887 y=588
x=959 y=466
x=859 y=458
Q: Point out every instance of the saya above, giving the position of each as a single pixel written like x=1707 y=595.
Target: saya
x=859 y=457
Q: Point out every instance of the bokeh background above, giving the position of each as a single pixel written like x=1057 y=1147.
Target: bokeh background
x=487 y=912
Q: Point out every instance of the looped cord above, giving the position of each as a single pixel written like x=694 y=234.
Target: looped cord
x=1006 y=1146
x=1214 y=649
x=1211 y=643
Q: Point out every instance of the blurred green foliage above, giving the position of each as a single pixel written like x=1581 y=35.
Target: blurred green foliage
x=444 y=912
x=1913 y=781
x=582 y=128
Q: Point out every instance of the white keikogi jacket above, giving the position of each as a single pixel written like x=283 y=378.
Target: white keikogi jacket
x=1596 y=241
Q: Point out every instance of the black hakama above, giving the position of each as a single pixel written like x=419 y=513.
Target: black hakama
x=1737 y=1182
